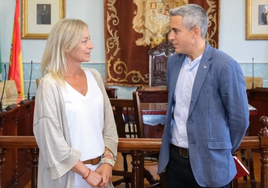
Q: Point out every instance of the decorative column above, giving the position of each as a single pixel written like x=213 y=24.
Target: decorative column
x=263 y=135
x=35 y=155
x=137 y=180
x=2 y=160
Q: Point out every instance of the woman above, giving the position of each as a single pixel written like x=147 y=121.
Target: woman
x=73 y=119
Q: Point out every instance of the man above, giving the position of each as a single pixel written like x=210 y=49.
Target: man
x=207 y=114
x=44 y=15
x=264 y=16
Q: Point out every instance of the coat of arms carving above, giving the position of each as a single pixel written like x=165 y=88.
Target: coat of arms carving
x=152 y=20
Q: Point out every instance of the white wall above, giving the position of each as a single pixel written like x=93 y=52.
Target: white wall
x=231 y=38
x=90 y=11
x=232 y=34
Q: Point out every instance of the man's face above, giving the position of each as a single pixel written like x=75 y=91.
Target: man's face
x=180 y=36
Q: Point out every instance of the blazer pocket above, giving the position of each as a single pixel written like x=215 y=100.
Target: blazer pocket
x=219 y=145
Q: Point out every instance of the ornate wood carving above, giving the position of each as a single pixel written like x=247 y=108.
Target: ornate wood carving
x=2 y=160
x=158 y=63
x=35 y=155
x=137 y=179
x=264 y=151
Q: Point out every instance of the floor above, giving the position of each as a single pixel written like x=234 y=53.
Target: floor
x=152 y=167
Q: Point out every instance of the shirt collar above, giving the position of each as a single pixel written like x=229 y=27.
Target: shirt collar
x=192 y=64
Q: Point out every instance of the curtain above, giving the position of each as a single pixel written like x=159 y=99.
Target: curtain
x=133 y=27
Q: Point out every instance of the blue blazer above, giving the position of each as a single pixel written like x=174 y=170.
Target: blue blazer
x=218 y=117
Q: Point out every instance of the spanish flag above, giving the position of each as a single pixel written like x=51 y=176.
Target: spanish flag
x=15 y=64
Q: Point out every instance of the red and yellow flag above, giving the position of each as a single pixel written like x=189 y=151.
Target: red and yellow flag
x=15 y=64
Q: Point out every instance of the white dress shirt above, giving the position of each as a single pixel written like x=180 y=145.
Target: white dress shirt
x=182 y=96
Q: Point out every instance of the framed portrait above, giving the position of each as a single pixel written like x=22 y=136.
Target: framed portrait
x=256 y=19
x=39 y=16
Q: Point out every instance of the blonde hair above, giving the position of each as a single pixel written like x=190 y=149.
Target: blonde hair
x=64 y=37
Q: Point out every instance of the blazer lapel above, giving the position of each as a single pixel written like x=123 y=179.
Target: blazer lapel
x=175 y=72
x=201 y=76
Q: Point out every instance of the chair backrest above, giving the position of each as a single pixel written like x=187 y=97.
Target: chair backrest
x=150 y=111
x=111 y=92
x=10 y=89
x=124 y=117
x=158 y=63
x=258 y=82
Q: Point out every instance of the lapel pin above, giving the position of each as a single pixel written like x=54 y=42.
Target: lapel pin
x=205 y=66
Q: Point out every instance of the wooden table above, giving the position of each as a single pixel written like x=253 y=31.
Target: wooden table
x=17 y=121
x=157 y=116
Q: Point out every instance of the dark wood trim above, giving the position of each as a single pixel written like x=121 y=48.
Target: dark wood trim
x=137 y=146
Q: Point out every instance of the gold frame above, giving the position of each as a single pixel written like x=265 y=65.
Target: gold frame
x=249 y=22
x=26 y=33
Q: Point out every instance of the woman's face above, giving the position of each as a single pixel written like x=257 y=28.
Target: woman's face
x=83 y=51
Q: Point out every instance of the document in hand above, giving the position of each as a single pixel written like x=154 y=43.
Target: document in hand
x=241 y=169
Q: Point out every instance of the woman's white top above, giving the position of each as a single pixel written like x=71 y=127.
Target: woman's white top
x=85 y=118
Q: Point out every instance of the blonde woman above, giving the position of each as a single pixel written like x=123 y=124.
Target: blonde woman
x=73 y=119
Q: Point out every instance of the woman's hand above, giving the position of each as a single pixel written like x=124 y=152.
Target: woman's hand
x=91 y=177
x=106 y=171
x=94 y=179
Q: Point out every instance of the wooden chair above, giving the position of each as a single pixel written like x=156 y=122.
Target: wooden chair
x=111 y=92
x=10 y=89
x=158 y=57
x=126 y=128
x=258 y=82
x=153 y=103
x=150 y=111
